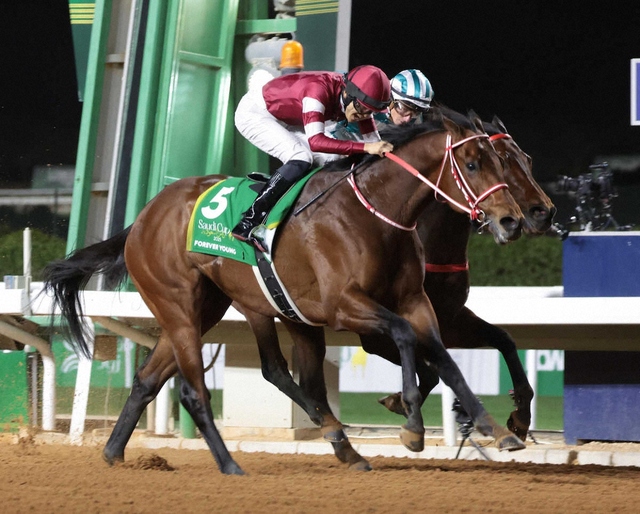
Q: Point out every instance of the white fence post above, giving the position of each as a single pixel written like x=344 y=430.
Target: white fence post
x=163 y=401
x=448 y=417
x=81 y=395
x=532 y=375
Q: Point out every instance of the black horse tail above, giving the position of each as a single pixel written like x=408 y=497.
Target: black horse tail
x=64 y=280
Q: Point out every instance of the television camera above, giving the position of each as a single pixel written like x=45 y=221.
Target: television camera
x=593 y=193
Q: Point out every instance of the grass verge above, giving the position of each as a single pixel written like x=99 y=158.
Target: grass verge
x=364 y=409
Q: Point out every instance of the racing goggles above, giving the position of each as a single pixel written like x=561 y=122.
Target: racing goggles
x=408 y=109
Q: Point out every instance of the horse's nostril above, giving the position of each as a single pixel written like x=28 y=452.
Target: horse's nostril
x=510 y=224
x=540 y=213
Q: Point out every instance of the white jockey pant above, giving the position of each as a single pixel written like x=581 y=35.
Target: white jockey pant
x=272 y=136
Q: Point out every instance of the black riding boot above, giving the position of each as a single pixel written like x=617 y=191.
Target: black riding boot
x=279 y=183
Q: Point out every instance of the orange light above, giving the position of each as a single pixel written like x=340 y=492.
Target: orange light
x=291 y=55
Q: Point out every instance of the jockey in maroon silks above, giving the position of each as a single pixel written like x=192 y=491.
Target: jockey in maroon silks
x=286 y=119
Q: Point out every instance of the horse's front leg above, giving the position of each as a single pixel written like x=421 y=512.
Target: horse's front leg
x=362 y=315
x=310 y=350
x=466 y=330
x=419 y=312
x=452 y=377
x=311 y=394
x=383 y=347
x=412 y=433
x=275 y=368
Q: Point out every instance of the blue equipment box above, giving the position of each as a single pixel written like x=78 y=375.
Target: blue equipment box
x=601 y=264
x=601 y=389
x=601 y=396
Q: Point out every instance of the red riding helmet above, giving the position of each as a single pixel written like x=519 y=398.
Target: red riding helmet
x=370 y=86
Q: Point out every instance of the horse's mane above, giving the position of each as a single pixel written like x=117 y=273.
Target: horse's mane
x=397 y=135
x=493 y=127
x=463 y=120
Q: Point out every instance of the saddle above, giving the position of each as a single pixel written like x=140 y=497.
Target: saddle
x=219 y=209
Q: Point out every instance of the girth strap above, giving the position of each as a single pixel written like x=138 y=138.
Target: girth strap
x=275 y=291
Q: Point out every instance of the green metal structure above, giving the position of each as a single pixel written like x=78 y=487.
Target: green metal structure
x=14 y=390
x=162 y=83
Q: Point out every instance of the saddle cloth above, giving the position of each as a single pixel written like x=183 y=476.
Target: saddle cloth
x=220 y=208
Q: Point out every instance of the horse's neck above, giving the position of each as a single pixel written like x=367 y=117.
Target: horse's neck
x=444 y=234
x=397 y=192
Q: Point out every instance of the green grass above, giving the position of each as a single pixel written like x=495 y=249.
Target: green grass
x=364 y=409
x=355 y=408
x=531 y=261
x=109 y=402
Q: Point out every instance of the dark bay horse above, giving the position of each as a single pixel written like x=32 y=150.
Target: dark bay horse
x=342 y=267
x=446 y=279
x=444 y=234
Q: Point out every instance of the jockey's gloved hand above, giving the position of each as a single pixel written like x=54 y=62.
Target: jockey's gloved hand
x=378 y=148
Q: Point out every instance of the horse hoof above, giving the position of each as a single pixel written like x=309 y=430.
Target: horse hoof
x=232 y=469
x=518 y=427
x=393 y=402
x=361 y=465
x=412 y=440
x=112 y=459
x=510 y=443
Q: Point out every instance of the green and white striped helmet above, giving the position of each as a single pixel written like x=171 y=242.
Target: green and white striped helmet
x=412 y=87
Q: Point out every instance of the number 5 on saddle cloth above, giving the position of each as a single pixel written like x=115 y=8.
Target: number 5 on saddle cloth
x=220 y=208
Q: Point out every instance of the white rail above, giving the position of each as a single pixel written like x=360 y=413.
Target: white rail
x=536 y=317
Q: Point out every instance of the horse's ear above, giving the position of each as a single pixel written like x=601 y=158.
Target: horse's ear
x=498 y=123
x=475 y=119
x=436 y=115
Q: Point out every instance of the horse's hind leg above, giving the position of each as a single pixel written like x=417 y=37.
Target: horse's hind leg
x=311 y=394
x=196 y=399
x=194 y=395
x=149 y=379
x=310 y=351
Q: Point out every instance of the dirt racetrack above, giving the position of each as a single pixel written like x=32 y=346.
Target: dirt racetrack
x=56 y=478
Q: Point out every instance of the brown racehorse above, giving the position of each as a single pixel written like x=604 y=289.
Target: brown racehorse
x=447 y=279
x=342 y=267
x=444 y=234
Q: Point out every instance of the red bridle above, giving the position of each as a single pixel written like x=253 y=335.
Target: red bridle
x=458 y=268
x=475 y=213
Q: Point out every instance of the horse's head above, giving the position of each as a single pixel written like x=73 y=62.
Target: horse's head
x=455 y=160
x=477 y=175
x=537 y=207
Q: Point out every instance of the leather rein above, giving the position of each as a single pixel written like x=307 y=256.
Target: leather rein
x=475 y=213
x=473 y=200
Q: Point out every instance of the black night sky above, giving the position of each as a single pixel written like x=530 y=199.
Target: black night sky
x=39 y=107
x=556 y=73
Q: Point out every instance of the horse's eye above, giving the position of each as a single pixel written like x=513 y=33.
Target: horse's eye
x=471 y=166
